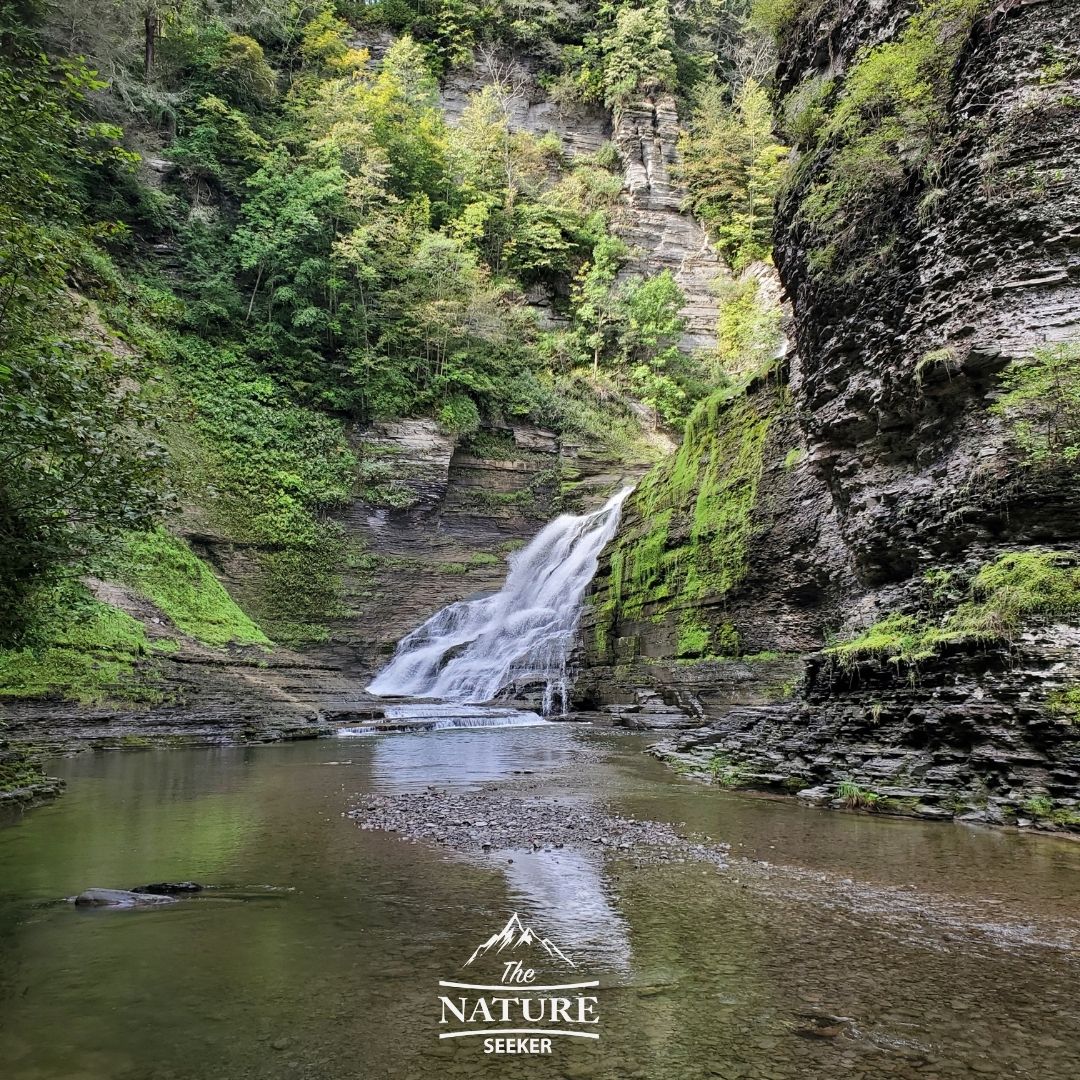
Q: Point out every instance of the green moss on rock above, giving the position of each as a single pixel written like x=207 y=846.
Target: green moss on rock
x=692 y=544
x=166 y=571
x=885 y=124
x=79 y=649
x=1016 y=589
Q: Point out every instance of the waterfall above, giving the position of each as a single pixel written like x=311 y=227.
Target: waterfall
x=471 y=650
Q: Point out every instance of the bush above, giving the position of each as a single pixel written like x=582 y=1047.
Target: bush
x=1042 y=398
x=1016 y=589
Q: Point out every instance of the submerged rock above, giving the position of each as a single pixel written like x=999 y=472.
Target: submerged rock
x=168 y=888
x=123 y=898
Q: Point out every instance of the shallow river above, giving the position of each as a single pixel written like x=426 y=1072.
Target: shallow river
x=831 y=945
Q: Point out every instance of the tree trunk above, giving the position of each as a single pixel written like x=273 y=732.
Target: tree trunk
x=150 y=22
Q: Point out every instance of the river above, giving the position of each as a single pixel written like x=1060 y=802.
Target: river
x=827 y=944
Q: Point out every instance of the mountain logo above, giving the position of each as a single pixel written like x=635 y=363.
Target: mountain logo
x=523 y=1012
x=514 y=935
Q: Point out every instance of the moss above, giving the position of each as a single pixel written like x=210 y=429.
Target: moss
x=1042 y=402
x=80 y=650
x=1018 y=588
x=166 y=571
x=693 y=638
x=896 y=806
x=20 y=771
x=712 y=480
x=300 y=589
x=793 y=457
x=726 y=772
x=782 y=691
x=379 y=481
x=1065 y=704
x=885 y=124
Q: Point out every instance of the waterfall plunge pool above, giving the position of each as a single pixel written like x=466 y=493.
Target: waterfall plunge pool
x=936 y=950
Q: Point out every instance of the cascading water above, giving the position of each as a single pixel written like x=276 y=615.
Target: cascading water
x=471 y=650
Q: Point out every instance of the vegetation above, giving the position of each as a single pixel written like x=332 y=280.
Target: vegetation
x=79 y=458
x=725 y=772
x=17 y=770
x=857 y=798
x=733 y=167
x=880 y=130
x=656 y=569
x=331 y=252
x=689 y=548
x=1065 y=704
x=166 y=571
x=76 y=647
x=1042 y=399
x=1015 y=590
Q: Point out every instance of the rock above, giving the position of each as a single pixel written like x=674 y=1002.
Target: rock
x=168 y=888
x=120 y=898
x=817 y=796
x=886 y=469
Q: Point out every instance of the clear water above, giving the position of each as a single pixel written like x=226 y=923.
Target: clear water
x=953 y=951
x=522 y=635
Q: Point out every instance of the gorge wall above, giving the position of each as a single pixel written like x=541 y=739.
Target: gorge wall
x=434 y=515
x=859 y=578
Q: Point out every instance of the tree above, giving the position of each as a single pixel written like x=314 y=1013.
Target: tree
x=78 y=460
x=732 y=167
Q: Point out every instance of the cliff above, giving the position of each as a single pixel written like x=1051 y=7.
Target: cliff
x=863 y=581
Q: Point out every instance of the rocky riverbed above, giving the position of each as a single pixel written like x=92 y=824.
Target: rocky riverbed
x=490 y=821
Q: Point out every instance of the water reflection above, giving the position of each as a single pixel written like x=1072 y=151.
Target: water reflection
x=568 y=892
x=332 y=976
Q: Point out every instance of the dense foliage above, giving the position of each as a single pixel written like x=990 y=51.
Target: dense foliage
x=229 y=235
x=733 y=167
x=78 y=460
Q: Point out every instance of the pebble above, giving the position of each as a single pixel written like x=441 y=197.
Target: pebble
x=508 y=823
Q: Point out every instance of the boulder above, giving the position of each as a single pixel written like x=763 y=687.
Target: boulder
x=122 y=898
x=168 y=888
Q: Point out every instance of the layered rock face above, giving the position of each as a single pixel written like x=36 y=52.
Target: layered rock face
x=472 y=508
x=885 y=466
x=646 y=132
x=660 y=235
x=455 y=514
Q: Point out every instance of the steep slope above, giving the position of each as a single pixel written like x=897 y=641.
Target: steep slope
x=912 y=503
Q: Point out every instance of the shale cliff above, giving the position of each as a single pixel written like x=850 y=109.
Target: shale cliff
x=860 y=576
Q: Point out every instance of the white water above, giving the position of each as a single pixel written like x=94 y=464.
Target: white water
x=442 y=717
x=471 y=650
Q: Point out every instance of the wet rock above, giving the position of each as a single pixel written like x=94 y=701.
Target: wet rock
x=119 y=898
x=168 y=888
x=816 y=796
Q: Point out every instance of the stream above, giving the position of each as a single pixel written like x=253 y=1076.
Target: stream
x=816 y=945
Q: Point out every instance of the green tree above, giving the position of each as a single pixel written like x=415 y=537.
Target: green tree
x=77 y=458
x=732 y=167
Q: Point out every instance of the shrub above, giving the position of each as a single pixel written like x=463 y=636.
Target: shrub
x=1042 y=398
x=1015 y=589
